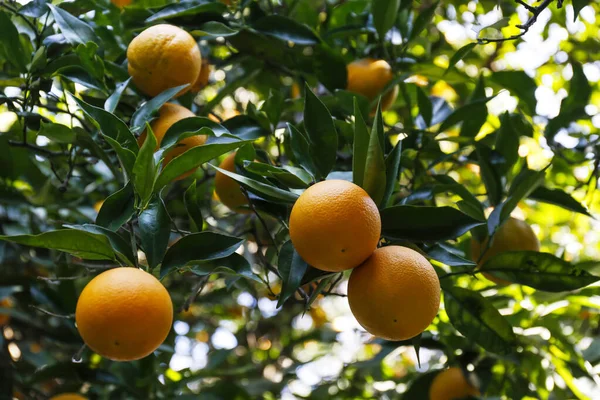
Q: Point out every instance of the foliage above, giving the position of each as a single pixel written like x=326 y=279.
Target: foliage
x=474 y=128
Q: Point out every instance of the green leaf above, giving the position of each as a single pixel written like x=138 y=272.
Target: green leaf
x=321 y=134
x=74 y=29
x=392 y=166
x=11 y=48
x=301 y=150
x=112 y=102
x=57 y=132
x=423 y=20
x=579 y=91
x=374 y=181
x=245 y=127
x=384 y=14
x=90 y=61
x=34 y=9
x=109 y=125
x=425 y=223
x=188 y=8
x=292 y=177
x=197 y=247
x=193 y=158
x=117 y=209
x=472 y=124
x=559 y=198
x=489 y=175
x=419 y=387
x=126 y=156
x=274 y=106
x=361 y=145
x=148 y=110
x=268 y=192
x=190 y=127
x=215 y=29
x=287 y=30
x=425 y=106
x=476 y=318
x=578 y=5
x=448 y=255
x=464 y=113
x=459 y=55
x=233 y=264
x=86 y=141
x=292 y=268
x=507 y=142
x=525 y=183
x=192 y=205
x=80 y=244
x=121 y=247
x=144 y=169
x=155 y=230
x=519 y=84
x=542 y=271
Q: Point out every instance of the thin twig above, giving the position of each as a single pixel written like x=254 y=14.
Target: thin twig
x=196 y=290
x=40 y=150
x=262 y=221
x=68 y=316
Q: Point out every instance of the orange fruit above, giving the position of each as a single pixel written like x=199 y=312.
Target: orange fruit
x=121 y=3
x=513 y=235
x=395 y=294
x=203 y=76
x=5 y=303
x=335 y=225
x=124 y=314
x=451 y=384
x=369 y=77
x=68 y=396
x=228 y=190
x=161 y=57
x=168 y=115
x=295 y=91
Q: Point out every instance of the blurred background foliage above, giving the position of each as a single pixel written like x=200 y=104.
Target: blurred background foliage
x=531 y=102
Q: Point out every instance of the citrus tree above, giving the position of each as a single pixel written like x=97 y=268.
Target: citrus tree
x=245 y=199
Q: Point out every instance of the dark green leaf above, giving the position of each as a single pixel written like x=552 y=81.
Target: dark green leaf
x=74 y=29
x=292 y=177
x=464 y=113
x=11 y=48
x=579 y=91
x=578 y=5
x=292 y=268
x=321 y=134
x=392 y=167
x=215 y=29
x=374 y=181
x=197 y=247
x=109 y=125
x=187 y=8
x=144 y=169
x=419 y=387
x=233 y=264
x=34 y=9
x=126 y=156
x=425 y=106
x=155 y=230
x=519 y=84
x=423 y=20
x=121 y=247
x=300 y=148
x=542 y=271
x=384 y=14
x=192 y=159
x=190 y=127
x=361 y=145
x=472 y=124
x=475 y=317
x=57 y=132
x=147 y=111
x=117 y=209
x=112 y=102
x=489 y=175
x=425 y=223
x=448 y=255
x=268 y=192
x=245 y=127
x=274 y=106
x=507 y=142
x=80 y=244
x=559 y=198
x=287 y=30
x=460 y=54
x=192 y=206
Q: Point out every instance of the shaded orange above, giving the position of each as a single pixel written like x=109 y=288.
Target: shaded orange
x=369 y=77
x=451 y=384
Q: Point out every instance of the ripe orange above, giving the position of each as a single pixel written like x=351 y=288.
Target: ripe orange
x=5 y=303
x=124 y=314
x=121 y=3
x=228 y=190
x=68 y=396
x=395 y=294
x=369 y=77
x=513 y=235
x=335 y=225
x=203 y=76
x=169 y=114
x=161 y=57
x=451 y=384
